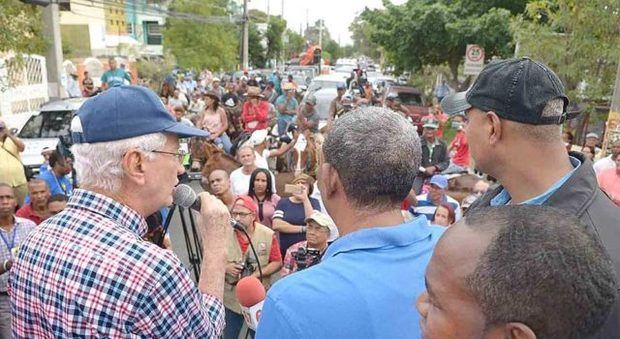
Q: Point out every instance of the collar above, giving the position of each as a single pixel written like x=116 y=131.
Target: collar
x=436 y=142
x=110 y=209
x=378 y=237
x=504 y=197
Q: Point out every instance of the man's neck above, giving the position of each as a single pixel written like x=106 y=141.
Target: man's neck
x=350 y=221
x=7 y=222
x=228 y=198
x=248 y=169
x=57 y=173
x=527 y=179
x=39 y=208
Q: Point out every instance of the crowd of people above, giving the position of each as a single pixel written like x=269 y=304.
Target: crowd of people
x=375 y=243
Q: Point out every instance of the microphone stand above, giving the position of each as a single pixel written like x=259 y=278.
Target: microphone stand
x=195 y=258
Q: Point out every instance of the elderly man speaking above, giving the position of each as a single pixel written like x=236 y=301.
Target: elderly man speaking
x=87 y=272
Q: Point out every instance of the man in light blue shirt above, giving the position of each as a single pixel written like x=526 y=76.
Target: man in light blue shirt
x=368 y=280
x=114 y=77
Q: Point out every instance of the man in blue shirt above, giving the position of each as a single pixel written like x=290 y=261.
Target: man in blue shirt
x=368 y=280
x=287 y=105
x=56 y=175
x=114 y=76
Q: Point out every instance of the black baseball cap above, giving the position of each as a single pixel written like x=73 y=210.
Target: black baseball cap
x=515 y=89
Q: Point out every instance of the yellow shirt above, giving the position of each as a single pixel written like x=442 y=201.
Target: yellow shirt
x=11 y=168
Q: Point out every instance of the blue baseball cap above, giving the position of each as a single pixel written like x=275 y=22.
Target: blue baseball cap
x=125 y=112
x=440 y=180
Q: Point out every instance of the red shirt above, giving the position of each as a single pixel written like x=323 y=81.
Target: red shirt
x=26 y=212
x=274 y=254
x=255 y=117
x=461 y=157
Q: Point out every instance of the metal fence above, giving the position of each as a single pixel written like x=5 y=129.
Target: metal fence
x=23 y=84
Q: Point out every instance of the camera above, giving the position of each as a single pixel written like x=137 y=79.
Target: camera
x=306 y=257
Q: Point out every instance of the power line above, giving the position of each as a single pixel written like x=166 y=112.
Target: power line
x=155 y=12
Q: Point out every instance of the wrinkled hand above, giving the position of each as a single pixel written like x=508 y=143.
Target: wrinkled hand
x=431 y=170
x=303 y=195
x=234 y=269
x=215 y=218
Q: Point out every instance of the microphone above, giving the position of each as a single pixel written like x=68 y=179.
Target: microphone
x=251 y=295
x=185 y=197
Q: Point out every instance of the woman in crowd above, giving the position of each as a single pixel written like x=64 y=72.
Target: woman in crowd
x=589 y=152
x=290 y=215
x=444 y=215
x=262 y=194
x=215 y=121
x=255 y=115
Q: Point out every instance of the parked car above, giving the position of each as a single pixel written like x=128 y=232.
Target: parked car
x=47 y=129
x=412 y=99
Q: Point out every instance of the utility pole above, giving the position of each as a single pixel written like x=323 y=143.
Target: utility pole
x=321 y=33
x=267 y=13
x=53 y=55
x=246 y=29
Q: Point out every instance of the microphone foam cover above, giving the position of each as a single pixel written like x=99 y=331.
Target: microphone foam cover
x=184 y=196
x=250 y=291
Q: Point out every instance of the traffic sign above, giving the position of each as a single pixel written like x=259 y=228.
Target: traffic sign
x=474 y=60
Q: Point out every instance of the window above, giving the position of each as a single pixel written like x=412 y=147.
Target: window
x=153 y=33
x=130 y=28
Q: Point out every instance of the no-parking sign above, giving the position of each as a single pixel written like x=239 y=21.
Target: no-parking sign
x=474 y=60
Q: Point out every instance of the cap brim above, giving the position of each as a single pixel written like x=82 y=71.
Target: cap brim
x=184 y=131
x=455 y=103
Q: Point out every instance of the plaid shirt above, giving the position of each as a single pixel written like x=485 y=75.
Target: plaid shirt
x=87 y=272
x=10 y=240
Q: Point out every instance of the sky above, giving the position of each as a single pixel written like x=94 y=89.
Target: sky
x=338 y=14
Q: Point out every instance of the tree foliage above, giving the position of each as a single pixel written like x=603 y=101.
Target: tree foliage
x=202 y=45
x=578 y=39
x=256 y=50
x=21 y=28
x=420 y=33
x=294 y=45
x=276 y=28
x=361 y=32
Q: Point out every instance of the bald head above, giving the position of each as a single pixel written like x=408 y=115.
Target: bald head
x=219 y=182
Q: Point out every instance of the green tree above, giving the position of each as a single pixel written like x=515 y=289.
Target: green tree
x=21 y=28
x=421 y=33
x=255 y=45
x=197 y=44
x=579 y=40
x=361 y=32
x=276 y=28
x=295 y=44
x=333 y=51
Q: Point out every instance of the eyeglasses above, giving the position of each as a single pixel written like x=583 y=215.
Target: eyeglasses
x=239 y=214
x=180 y=154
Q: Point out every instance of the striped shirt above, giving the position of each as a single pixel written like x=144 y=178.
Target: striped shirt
x=11 y=239
x=426 y=207
x=87 y=272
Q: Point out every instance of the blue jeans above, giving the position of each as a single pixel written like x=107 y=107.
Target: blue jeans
x=224 y=140
x=283 y=122
x=234 y=323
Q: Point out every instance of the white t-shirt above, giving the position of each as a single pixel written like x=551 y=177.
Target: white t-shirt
x=603 y=164
x=240 y=182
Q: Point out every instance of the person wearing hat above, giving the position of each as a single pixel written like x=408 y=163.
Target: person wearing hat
x=269 y=93
x=320 y=231
x=515 y=111
x=287 y=105
x=307 y=117
x=393 y=102
x=215 y=121
x=263 y=152
x=436 y=196
x=216 y=88
x=91 y=256
x=593 y=140
x=335 y=106
x=255 y=114
x=435 y=158
x=71 y=85
x=242 y=262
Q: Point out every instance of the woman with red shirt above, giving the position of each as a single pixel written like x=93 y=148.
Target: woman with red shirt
x=255 y=114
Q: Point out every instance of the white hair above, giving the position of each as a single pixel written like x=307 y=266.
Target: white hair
x=100 y=164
